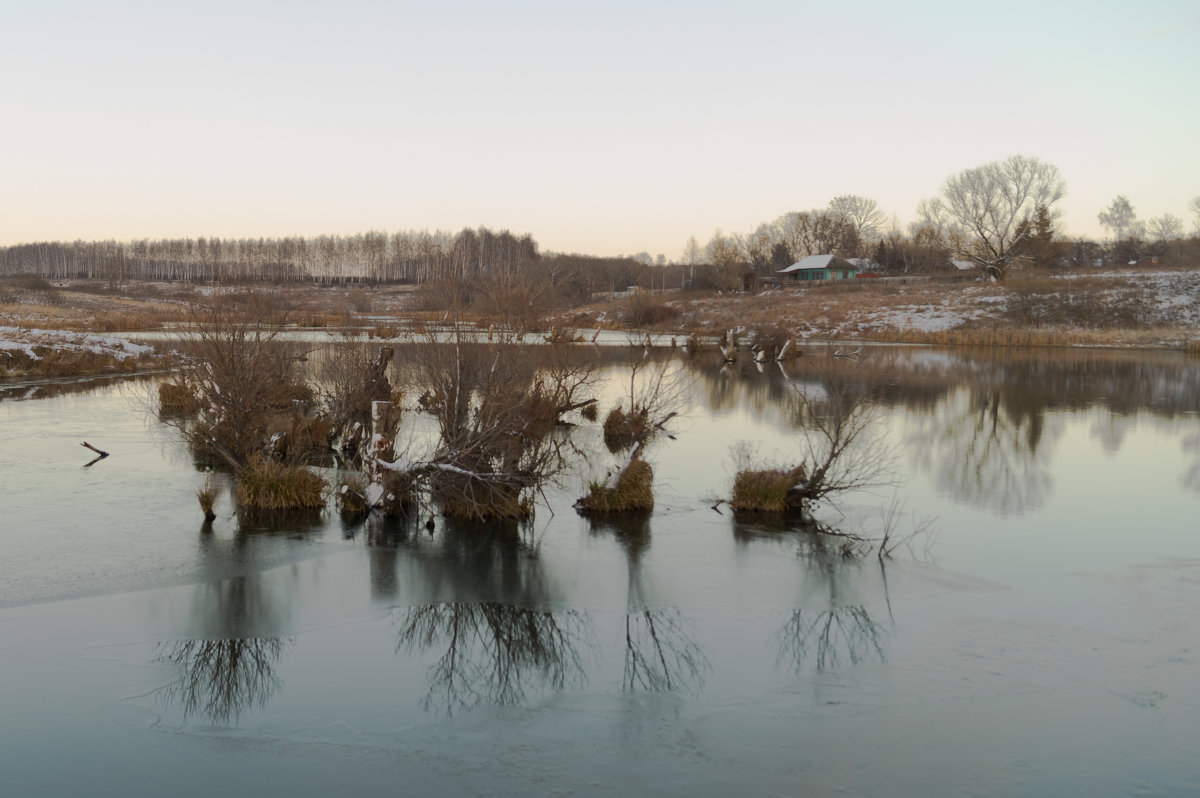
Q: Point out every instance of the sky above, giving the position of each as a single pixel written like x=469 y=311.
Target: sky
x=599 y=128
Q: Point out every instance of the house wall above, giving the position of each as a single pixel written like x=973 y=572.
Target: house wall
x=822 y=274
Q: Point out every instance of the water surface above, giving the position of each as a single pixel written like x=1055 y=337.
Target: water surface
x=1043 y=641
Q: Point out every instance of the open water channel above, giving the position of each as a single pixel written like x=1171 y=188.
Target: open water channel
x=1042 y=639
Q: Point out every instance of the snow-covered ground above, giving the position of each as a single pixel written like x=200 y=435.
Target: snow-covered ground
x=29 y=341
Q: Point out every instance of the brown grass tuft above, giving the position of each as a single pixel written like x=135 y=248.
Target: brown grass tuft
x=766 y=490
x=267 y=486
x=634 y=492
x=175 y=400
x=622 y=430
x=207 y=495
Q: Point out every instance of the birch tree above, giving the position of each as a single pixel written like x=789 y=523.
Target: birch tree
x=1121 y=219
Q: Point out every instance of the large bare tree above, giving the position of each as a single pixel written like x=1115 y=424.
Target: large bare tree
x=861 y=212
x=984 y=212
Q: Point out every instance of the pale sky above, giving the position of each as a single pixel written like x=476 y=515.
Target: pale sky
x=603 y=128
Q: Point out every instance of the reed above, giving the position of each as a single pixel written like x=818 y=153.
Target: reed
x=768 y=490
x=269 y=486
x=633 y=492
x=207 y=495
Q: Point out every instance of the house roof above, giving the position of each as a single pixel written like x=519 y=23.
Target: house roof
x=863 y=264
x=827 y=261
x=964 y=265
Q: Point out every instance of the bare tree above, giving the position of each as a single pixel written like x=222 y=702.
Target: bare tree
x=722 y=253
x=863 y=213
x=981 y=211
x=1194 y=207
x=1164 y=228
x=496 y=406
x=244 y=378
x=1121 y=219
x=843 y=447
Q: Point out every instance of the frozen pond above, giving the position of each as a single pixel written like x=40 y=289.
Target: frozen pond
x=1045 y=640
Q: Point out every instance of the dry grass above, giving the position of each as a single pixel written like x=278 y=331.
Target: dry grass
x=176 y=401
x=1082 y=307
x=1078 y=308
x=767 y=490
x=634 y=492
x=207 y=495
x=271 y=487
x=622 y=430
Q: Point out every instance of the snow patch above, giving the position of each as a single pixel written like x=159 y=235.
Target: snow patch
x=26 y=340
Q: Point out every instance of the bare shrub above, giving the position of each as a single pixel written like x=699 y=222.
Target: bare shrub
x=516 y=301
x=645 y=310
x=496 y=407
x=842 y=447
x=244 y=377
x=350 y=376
x=359 y=301
x=653 y=397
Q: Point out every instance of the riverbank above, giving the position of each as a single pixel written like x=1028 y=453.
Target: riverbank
x=1126 y=308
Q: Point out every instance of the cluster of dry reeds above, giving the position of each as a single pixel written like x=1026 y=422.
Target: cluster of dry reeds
x=768 y=490
x=269 y=486
x=633 y=491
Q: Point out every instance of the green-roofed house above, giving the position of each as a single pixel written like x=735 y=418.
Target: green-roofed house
x=819 y=267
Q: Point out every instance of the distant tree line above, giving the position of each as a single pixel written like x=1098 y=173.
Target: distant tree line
x=369 y=257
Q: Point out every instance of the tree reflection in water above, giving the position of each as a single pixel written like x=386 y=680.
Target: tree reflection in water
x=1191 y=475
x=831 y=637
x=660 y=652
x=221 y=679
x=842 y=632
x=494 y=653
x=990 y=450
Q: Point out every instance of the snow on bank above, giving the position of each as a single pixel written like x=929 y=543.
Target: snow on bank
x=925 y=318
x=27 y=341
